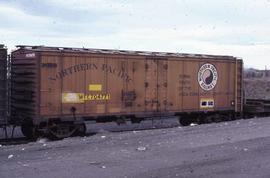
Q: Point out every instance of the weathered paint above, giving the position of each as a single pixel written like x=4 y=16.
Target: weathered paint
x=130 y=83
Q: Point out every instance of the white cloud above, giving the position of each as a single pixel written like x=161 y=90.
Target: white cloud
x=239 y=28
x=98 y=5
x=17 y=20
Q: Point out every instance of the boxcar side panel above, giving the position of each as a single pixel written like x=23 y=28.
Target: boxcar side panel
x=220 y=91
x=50 y=88
x=138 y=83
x=116 y=79
x=174 y=81
x=190 y=85
x=95 y=83
x=231 y=73
x=222 y=94
x=204 y=95
x=72 y=84
x=162 y=84
x=98 y=84
x=130 y=102
x=151 y=95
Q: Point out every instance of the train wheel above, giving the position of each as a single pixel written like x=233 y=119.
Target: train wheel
x=81 y=130
x=206 y=119
x=184 y=121
x=214 y=118
x=225 y=118
x=135 y=120
x=62 y=130
x=28 y=129
x=219 y=118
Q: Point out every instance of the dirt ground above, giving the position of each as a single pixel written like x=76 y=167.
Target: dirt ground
x=229 y=149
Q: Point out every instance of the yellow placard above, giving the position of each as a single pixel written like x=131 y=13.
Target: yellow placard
x=95 y=87
x=72 y=98
x=207 y=103
x=81 y=97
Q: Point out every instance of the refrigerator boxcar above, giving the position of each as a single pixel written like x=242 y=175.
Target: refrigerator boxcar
x=54 y=89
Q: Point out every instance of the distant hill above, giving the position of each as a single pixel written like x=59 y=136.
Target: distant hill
x=255 y=73
x=257 y=84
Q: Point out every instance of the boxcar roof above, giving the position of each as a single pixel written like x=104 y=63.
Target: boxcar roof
x=124 y=52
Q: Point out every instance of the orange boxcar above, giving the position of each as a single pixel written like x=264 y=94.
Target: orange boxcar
x=56 y=89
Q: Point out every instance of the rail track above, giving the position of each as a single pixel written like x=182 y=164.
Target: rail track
x=17 y=138
x=253 y=108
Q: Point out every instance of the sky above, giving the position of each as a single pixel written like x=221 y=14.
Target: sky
x=225 y=27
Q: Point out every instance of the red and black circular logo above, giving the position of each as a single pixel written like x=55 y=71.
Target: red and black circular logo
x=207 y=76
